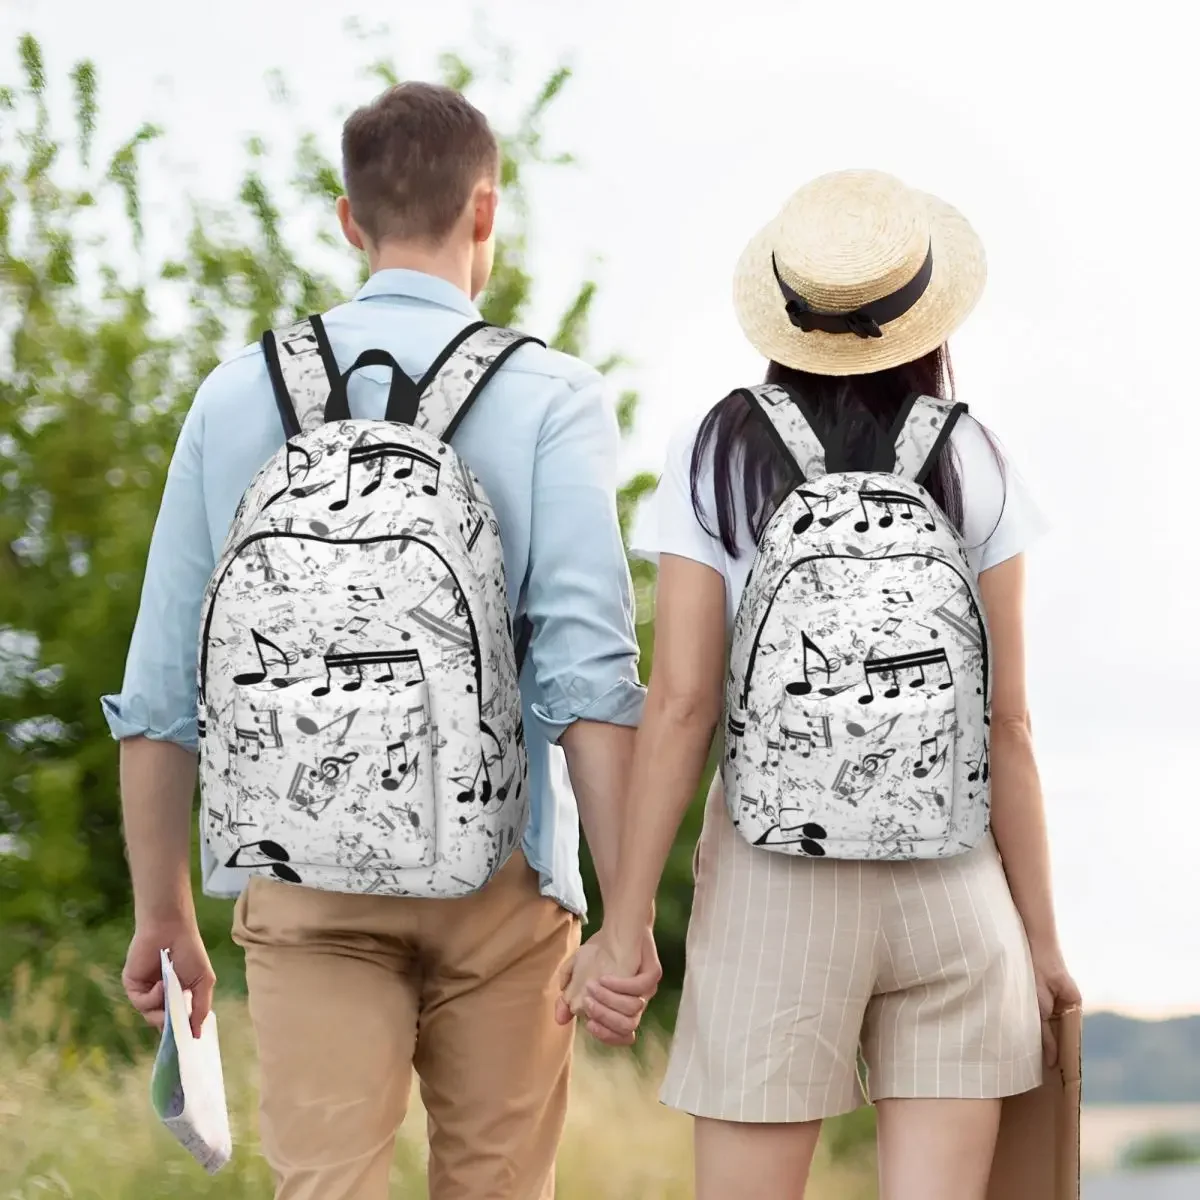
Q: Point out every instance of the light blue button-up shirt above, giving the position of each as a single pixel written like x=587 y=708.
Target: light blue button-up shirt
x=543 y=441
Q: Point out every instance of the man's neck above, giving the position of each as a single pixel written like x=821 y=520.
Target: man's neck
x=450 y=263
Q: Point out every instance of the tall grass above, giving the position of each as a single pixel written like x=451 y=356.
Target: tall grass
x=76 y=1124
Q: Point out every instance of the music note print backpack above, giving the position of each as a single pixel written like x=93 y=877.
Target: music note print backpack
x=359 y=711
x=858 y=697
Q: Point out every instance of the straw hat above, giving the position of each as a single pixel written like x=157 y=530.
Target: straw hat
x=856 y=274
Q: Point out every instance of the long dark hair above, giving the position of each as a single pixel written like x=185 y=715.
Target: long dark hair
x=853 y=412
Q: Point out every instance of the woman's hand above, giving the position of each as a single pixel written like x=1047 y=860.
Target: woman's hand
x=1056 y=992
x=610 y=987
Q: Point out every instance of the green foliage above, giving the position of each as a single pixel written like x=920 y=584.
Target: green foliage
x=1162 y=1149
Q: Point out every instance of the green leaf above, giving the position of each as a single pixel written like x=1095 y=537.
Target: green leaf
x=30 y=51
x=454 y=72
x=572 y=327
x=84 y=79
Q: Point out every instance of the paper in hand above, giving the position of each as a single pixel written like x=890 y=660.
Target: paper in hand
x=187 y=1087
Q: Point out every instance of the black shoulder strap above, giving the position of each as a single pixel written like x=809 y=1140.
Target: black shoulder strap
x=790 y=424
x=453 y=383
x=922 y=428
x=523 y=636
x=303 y=372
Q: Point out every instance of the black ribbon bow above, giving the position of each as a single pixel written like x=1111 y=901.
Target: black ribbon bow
x=863 y=322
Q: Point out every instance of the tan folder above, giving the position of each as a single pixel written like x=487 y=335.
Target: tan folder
x=1037 y=1153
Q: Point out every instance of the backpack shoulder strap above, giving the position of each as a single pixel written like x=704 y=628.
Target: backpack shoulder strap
x=303 y=370
x=790 y=423
x=453 y=383
x=922 y=428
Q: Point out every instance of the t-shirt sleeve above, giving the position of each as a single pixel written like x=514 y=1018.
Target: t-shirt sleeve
x=1000 y=517
x=667 y=522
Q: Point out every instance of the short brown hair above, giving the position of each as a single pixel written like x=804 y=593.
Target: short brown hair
x=410 y=159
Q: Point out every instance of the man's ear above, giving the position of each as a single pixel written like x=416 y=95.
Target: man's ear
x=350 y=229
x=487 y=197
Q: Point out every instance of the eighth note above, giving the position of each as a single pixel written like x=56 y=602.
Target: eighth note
x=408 y=770
x=804 y=686
x=377 y=454
x=309 y=726
x=886 y=500
x=904 y=662
x=280 y=657
x=355 y=662
x=927 y=762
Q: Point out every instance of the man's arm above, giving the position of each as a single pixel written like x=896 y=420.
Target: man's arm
x=579 y=598
x=155 y=719
x=584 y=649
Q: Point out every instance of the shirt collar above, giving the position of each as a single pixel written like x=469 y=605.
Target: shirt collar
x=416 y=285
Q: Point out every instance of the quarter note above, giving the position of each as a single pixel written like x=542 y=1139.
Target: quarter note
x=279 y=657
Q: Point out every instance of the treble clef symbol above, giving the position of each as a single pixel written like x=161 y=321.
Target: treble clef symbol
x=331 y=768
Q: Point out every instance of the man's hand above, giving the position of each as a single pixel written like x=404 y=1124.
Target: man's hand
x=142 y=976
x=610 y=988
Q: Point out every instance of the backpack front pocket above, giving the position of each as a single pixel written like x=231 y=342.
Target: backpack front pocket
x=872 y=766
x=333 y=780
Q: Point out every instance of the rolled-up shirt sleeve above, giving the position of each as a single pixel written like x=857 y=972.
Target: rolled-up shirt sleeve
x=579 y=596
x=158 y=695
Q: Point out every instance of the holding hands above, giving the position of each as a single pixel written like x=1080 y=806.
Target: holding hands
x=608 y=986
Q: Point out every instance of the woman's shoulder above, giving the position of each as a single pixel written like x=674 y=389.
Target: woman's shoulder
x=1001 y=518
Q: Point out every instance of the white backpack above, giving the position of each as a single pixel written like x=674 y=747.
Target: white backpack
x=360 y=718
x=858 y=696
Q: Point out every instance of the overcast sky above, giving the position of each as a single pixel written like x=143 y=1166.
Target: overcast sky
x=1068 y=139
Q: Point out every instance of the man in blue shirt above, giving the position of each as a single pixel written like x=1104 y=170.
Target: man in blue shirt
x=348 y=992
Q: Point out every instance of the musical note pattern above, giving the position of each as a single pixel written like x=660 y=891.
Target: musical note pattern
x=358 y=688
x=858 y=695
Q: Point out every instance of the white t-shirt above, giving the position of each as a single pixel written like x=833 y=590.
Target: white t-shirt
x=1000 y=518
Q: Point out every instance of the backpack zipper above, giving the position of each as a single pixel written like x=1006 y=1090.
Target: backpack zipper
x=983 y=639
x=306 y=537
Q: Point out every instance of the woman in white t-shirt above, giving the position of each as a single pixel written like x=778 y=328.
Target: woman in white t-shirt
x=934 y=969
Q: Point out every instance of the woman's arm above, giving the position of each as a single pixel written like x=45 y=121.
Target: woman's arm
x=1018 y=814
x=683 y=706
x=1018 y=817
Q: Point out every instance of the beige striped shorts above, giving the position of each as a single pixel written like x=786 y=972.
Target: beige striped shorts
x=797 y=966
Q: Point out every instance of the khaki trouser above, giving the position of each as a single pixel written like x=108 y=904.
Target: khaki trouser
x=349 y=993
